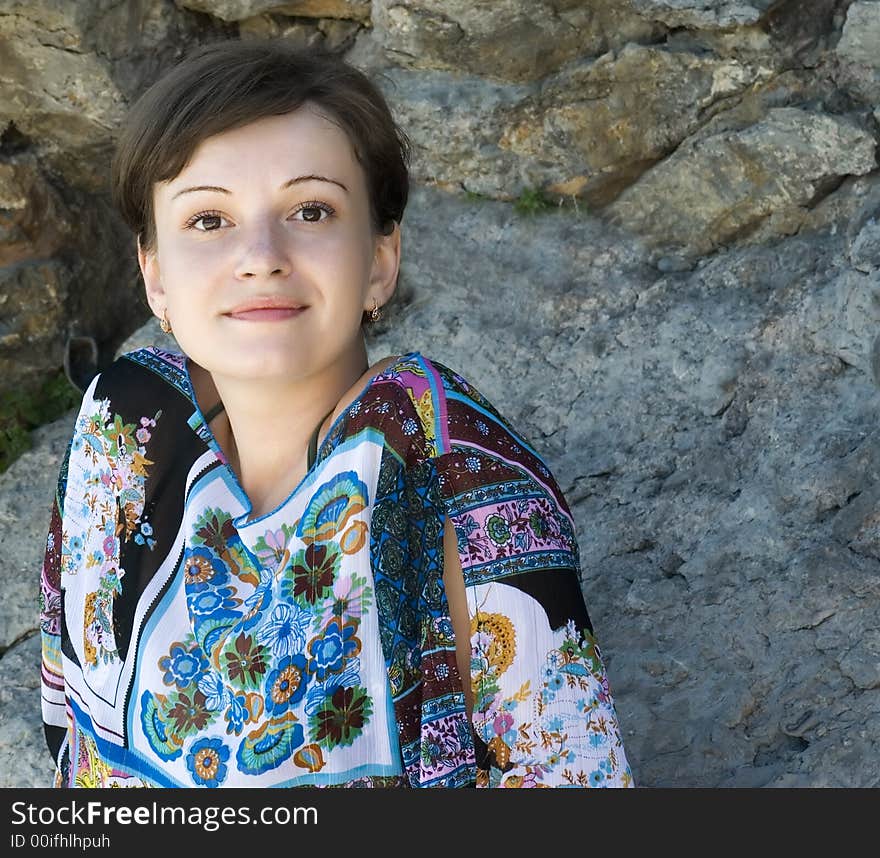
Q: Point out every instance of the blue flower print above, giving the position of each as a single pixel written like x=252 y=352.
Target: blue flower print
x=286 y=685
x=236 y=714
x=76 y=549
x=596 y=778
x=207 y=762
x=464 y=528
x=320 y=691
x=444 y=628
x=329 y=651
x=211 y=685
x=202 y=569
x=555 y=682
x=183 y=666
x=285 y=631
x=220 y=602
x=554 y=725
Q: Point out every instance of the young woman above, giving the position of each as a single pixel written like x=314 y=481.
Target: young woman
x=270 y=564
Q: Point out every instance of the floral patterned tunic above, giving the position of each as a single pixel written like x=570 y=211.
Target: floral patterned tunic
x=185 y=645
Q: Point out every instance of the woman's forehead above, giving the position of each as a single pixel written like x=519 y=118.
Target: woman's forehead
x=303 y=142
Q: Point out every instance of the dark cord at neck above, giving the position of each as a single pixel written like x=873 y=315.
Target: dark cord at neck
x=213 y=412
x=313 y=442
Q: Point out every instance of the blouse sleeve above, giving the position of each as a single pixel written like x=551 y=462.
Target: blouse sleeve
x=51 y=671
x=543 y=711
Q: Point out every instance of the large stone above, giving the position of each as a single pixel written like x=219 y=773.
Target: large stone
x=716 y=189
x=860 y=41
x=239 y=10
x=25 y=760
x=454 y=123
x=587 y=132
x=330 y=33
x=598 y=125
x=34 y=222
x=62 y=98
x=508 y=40
x=58 y=21
x=703 y=13
x=32 y=321
x=27 y=490
x=865 y=248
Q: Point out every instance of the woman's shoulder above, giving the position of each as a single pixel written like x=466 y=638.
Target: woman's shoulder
x=140 y=381
x=415 y=370
x=438 y=402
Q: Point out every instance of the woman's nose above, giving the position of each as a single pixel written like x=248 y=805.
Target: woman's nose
x=264 y=254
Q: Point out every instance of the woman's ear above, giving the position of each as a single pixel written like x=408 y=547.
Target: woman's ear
x=148 y=261
x=386 y=266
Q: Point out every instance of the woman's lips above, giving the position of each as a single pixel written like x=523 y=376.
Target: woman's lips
x=266 y=314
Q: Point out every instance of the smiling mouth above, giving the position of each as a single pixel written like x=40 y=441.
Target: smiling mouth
x=266 y=314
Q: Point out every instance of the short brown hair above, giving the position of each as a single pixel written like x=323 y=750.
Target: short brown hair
x=227 y=84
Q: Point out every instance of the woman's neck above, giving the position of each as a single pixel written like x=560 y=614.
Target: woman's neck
x=266 y=426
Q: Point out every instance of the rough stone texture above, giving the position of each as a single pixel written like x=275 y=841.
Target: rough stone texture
x=329 y=33
x=595 y=127
x=508 y=40
x=702 y=13
x=55 y=93
x=857 y=71
x=774 y=169
x=588 y=132
x=32 y=297
x=34 y=222
x=26 y=493
x=860 y=41
x=238 y=10
x=24 y=760
x=690 y=340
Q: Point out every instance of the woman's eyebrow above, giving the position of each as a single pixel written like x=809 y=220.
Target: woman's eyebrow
x=313 y=178
x=195 y=188
x=289 y=183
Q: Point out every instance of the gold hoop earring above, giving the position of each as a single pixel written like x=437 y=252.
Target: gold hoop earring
x=164 y=324
x=375 y=314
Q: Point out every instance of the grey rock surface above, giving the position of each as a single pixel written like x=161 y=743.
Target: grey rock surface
x=861 y=34
x=26 y=493
x=506 y=39
x=703 y=13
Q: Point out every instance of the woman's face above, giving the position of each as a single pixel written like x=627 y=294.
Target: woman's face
x=265 y=257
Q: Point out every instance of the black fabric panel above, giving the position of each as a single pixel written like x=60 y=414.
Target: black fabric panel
x=55 y=737
x=559 y=593
x=134 y=392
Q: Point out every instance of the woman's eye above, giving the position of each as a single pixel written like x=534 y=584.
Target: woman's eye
x=206 y=221
x=312 y=212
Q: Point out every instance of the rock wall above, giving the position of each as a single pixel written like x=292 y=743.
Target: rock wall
x=687 y=329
